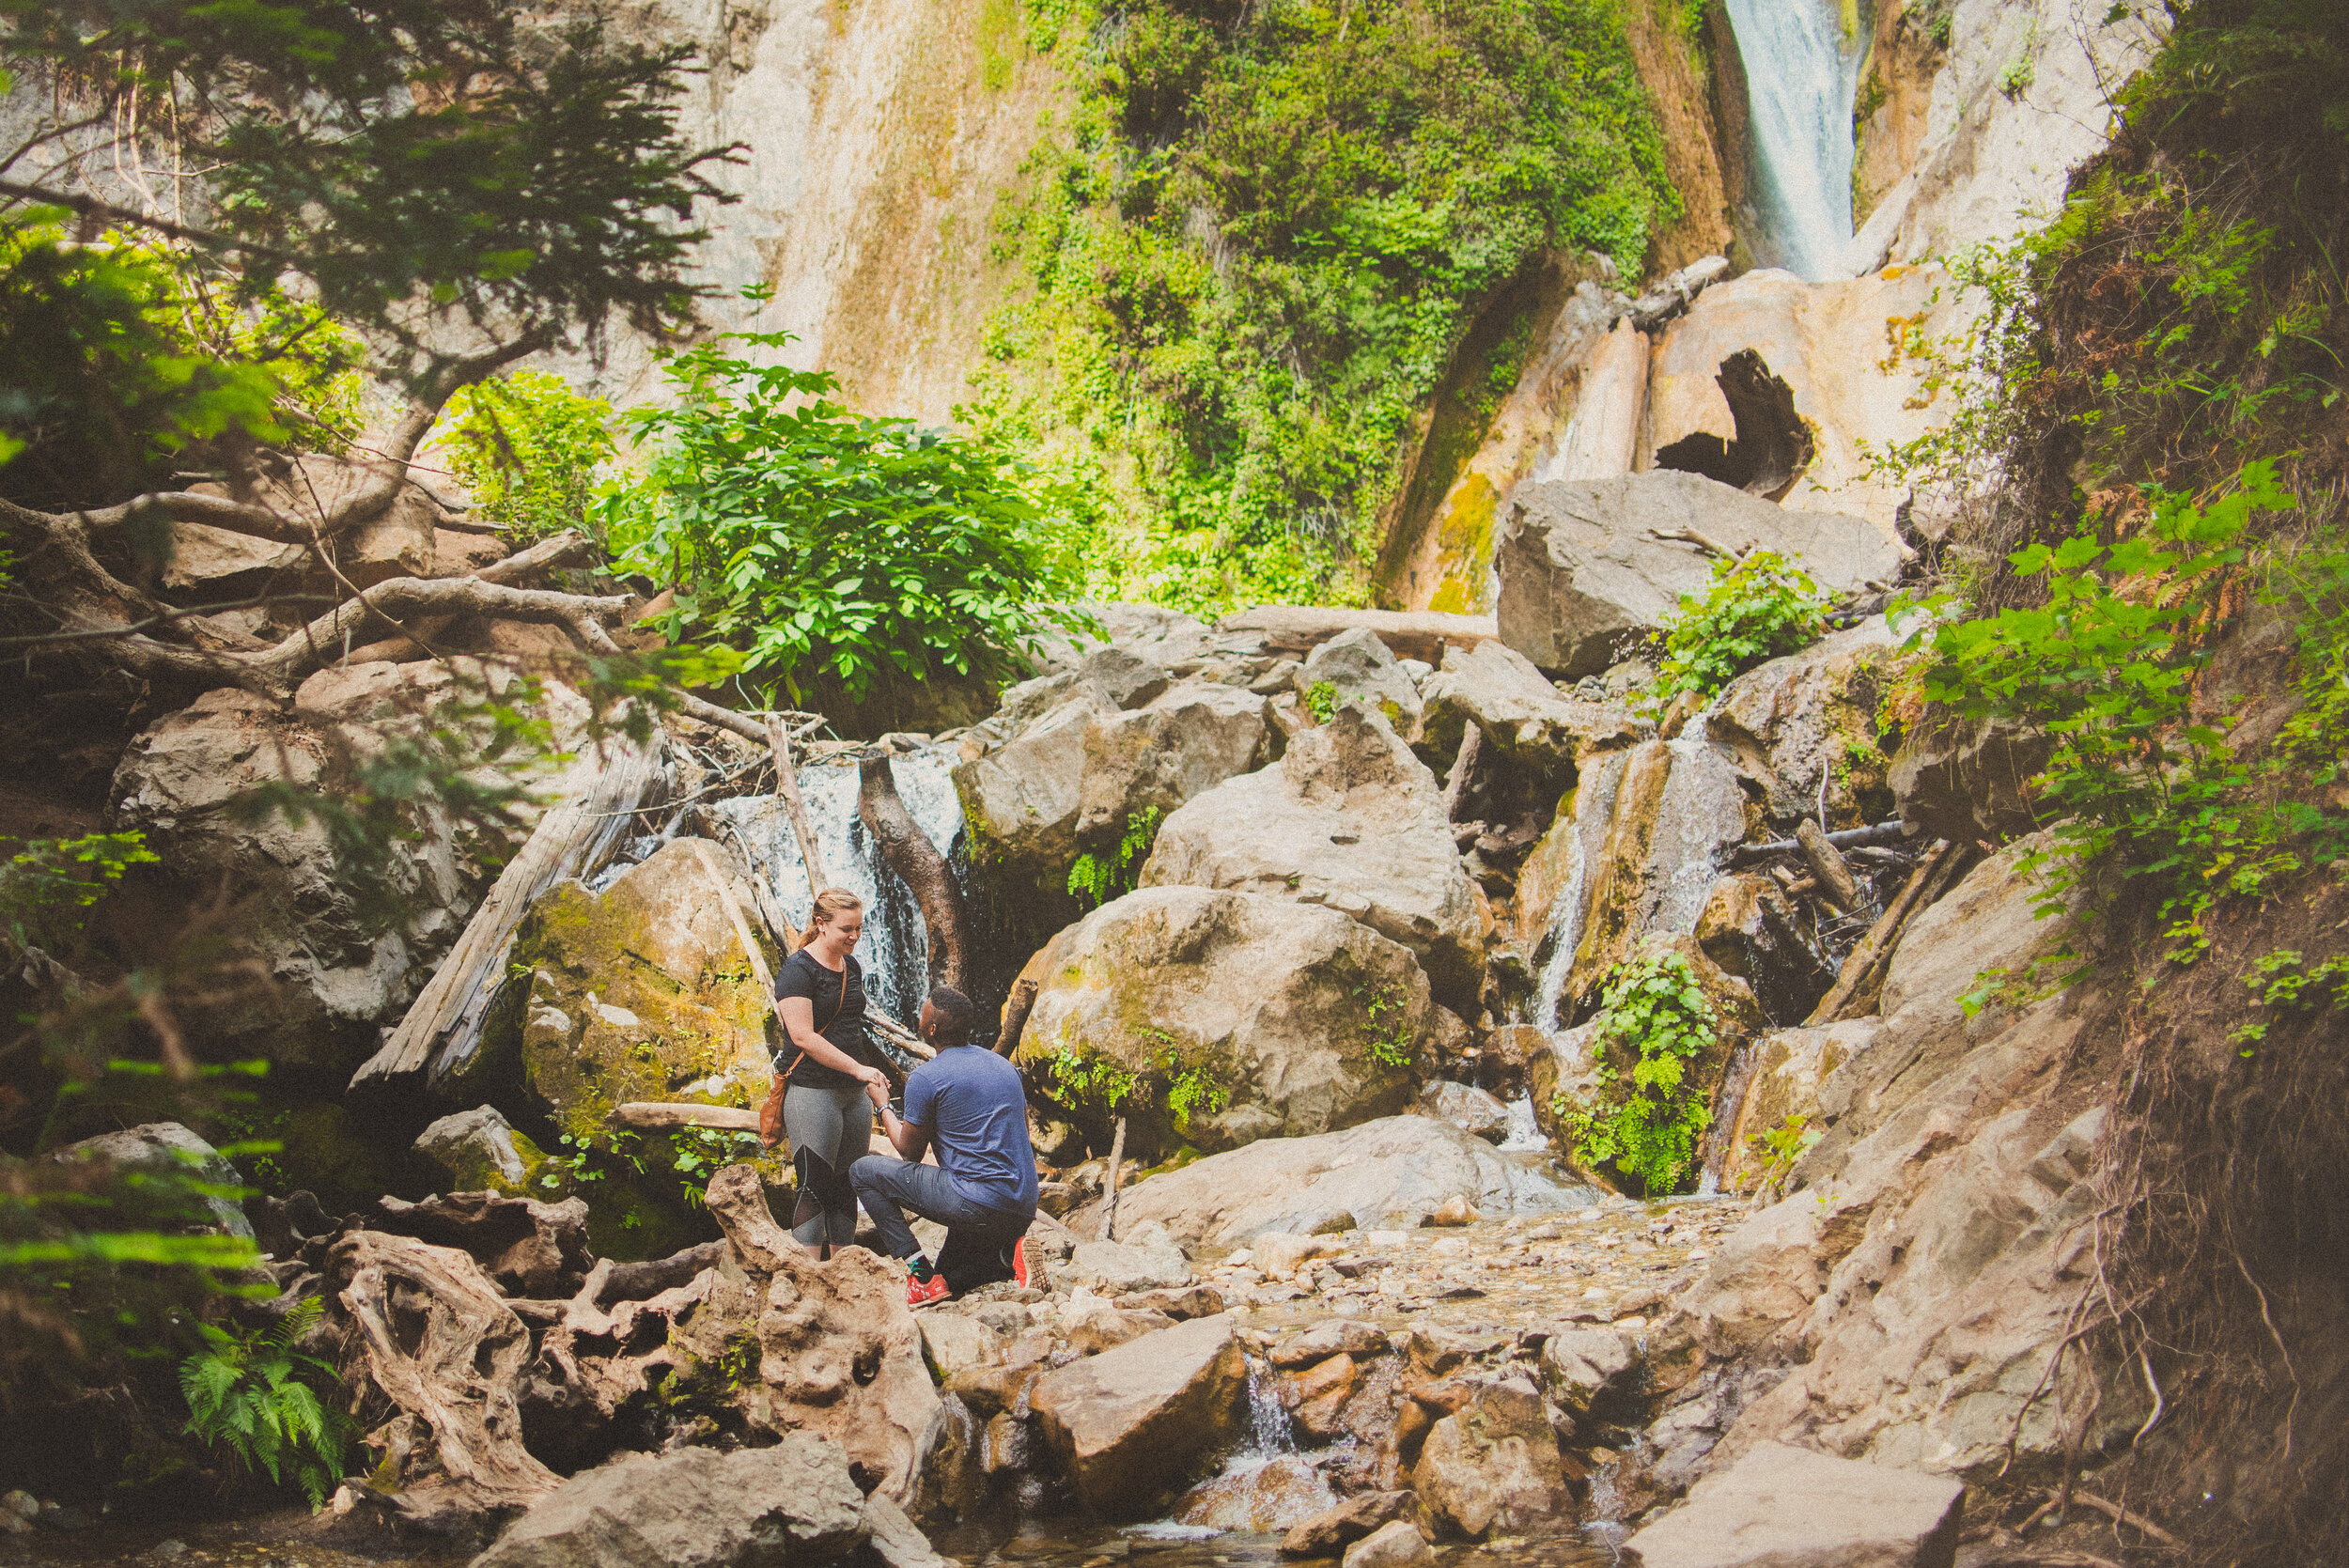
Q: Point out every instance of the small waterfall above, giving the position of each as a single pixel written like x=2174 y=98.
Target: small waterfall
x=1266 y=1486
x=1802 y=76
x=1525 y=1134
x=895 y=950
x=1268 y=1426
x=1594 y=805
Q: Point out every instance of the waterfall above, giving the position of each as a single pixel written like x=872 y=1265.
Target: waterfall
x=895 y=950
x=1802 y=75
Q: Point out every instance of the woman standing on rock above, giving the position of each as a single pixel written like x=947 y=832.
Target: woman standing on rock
x=819 y=995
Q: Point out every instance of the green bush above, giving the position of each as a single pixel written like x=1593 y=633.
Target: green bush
x=1756 y=610
x=247 y=1392
x=820 y=542
x=1253 y=249
x=530 y=449
x=1095 y=879
x=1648 y=1125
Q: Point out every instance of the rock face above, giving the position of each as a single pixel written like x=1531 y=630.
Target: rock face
x=1493 y=1464
x=1391 y=1172
x=1812 y=716
x=641 y=992
x=1515 y=707
x=1790 y=1071
x=1359 y=668
x=1268 y=1001
x=1468 y=1108
x=1079 y=771
x=1968 y=781
x=479 y=1151
x=1130 y=1423
x=696 y=1508
x=342 y=965
x=168 y=1151
x=1348 y=819
x=1782 y=1507
x=1580 y=566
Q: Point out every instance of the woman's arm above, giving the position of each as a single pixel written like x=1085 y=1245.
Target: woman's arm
x=799 y=1020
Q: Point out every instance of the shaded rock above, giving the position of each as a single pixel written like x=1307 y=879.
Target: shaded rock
x=1325 y=1534
x=214 y=565
x=1580 y=1367
x=1466 y=1107
x=1516 y=708
x=1357 y=666
x=1395 y=1544
x=1394 y=1171
x=1750 y=928
x=1965 y=782
x=1811 y=717
x=1782 y=1507
x=1349 y=819
x=1493 y=1464
x=1130 y=1423
x=1580 y=566
x=162 y=1162
x=755 y=1507
x=1124 y=676
x=1077 y=775
x=479 y=1151
x=1316 y=1395
x=1261 y=997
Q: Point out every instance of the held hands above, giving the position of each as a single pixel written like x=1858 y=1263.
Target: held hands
x=877 y=1090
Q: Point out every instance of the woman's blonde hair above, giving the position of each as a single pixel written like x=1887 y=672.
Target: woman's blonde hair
x=831 y=905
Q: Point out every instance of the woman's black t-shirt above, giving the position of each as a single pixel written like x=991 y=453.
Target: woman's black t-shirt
x=826 y=992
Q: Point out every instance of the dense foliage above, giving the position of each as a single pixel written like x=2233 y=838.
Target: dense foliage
x=1646 y=1122
x=817 y=541
x=1756 y=610
x=1252 y=253
x=530 y=449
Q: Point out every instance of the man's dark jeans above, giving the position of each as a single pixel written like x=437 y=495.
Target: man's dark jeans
x=978 y=1239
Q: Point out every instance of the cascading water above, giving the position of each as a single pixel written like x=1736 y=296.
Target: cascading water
x=895 y=950
x=1802 y=76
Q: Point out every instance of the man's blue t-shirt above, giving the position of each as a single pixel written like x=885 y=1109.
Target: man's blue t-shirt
x=977 y=1113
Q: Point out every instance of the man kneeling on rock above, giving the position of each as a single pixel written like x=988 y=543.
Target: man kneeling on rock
x=970 y=1103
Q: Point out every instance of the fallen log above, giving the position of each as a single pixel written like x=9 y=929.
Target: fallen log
x=907 y=850
x=1861 y=978
x=1826 y=864
x=603 y=790
x=663 y=1115
x=1845 y=838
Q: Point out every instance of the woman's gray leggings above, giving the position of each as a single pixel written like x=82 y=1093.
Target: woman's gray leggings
x=830 y=1130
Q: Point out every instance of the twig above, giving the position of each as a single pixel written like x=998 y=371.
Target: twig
x=1117 y=1155
x=2120 y=1515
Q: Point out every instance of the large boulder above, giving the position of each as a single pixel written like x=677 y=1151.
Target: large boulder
x=1517 y=710
x=1357 y=668
x=479 y=1151
x=796 y=1503
x=1131 y=1423
x=1493 y=1464
x=1348 y=819
x=1965 y=780
x=1282 y=1020
x=1077 y=775
x=166 y=1175
x=1811 y=719
x=1583 y=566
x=343 y=963
x=1396 y=1172
x=640 y=992
x=840 y=1355
x=1784 y=1091
x=1781 y=1507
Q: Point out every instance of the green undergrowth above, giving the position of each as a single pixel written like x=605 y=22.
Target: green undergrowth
x=1095 y=878
x=1646 y=1119
x=1250 y=251
x=1754 y=611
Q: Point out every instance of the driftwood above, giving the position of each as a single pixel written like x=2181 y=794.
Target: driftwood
x=432 y=1335
x=787 y=786
x=443 y=1027
x=1862 y=979
x=526 y=1247
x=1846 y=838
x=1827 y=865
x=661 y=1115
x=1118 y=1157
x=907 y=850
x=738 y=1202
x=1016 y=1007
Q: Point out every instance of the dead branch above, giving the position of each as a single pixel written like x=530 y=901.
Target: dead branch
x=787 y=786
x=1016 y=1007
x=662 y=1115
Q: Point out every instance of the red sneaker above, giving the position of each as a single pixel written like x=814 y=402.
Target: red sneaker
x=1020 y=1262
x=921 y=1293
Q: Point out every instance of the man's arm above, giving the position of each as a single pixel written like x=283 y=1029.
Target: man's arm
x=911 y=1142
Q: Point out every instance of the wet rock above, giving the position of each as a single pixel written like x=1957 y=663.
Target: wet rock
x=1325 y=1534
x=1811 y=717
x=952 y=1343
x=1515 y=708
x=1077 y=775
x=1395 y=1544
x=1348 y=819
x=1394 y=1171
x=1358 y=667
x=1790 y=1071
x=1262 y=997
x=1782 y=1507
x=1316 y=1396
x=479 y=1151
x=159 y=1162
x=1129 y=1423
x=1257 y=1496
x=1468 y=1108
x=1582 y=1367
x=1338 y=1336
x=1580 y=564
x=1493 y=1464
x=794 y=1503
x=1752 y=930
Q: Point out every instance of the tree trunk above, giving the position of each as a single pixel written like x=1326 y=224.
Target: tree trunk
x=907 y=850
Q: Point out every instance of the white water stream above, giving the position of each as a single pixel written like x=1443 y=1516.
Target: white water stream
x=1802 y=75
